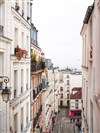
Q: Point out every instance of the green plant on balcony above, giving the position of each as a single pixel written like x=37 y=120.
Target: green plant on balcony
x=33 y=56
x=38 y=59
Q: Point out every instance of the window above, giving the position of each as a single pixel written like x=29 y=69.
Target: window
x=61 y=96
x=27 y=79
x=21 y=119
x=22 y=43
x=15 y=83
x=67 y=82
x=27 y=9
x=67 y=76
x=22 y=80
x=27 y=113
x=67 y=96
x=76 y=104
x=28 y=45
x=15 y=123
x=16 y=37
x=77 y=113
x=22 y=7
x=61 y=88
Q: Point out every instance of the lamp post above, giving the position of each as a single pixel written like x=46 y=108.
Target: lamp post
x=6 y=93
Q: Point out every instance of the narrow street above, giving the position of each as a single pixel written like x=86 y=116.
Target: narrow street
x=63 y=124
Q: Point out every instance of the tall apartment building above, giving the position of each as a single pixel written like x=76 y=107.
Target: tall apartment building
x=50 y=98
x=67 y=81
x=64 y=89
x=90 y=68
x=37 y=68
x=15 y=63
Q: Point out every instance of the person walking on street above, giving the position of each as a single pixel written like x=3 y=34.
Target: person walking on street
x=77 y=126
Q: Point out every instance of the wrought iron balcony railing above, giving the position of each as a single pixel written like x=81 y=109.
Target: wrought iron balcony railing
x=37 y=91
x=37 y=67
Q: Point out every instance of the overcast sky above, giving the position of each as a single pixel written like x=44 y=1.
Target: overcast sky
x=59 y=23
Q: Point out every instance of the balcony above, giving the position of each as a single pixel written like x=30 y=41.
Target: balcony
x=19 y=53
x=37 y=67
x=37 y=91
x=1 y=30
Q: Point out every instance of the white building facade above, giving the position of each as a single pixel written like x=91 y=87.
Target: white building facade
x=67 y=82
x=50 y=99
x=15 y=55
x=90 y=74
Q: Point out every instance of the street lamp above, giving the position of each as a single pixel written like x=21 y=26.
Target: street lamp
x=6 y=93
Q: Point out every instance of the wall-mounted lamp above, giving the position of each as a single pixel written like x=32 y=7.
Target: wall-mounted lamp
x=6 y=93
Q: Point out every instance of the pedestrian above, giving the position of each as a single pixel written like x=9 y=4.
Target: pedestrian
x=77 y=126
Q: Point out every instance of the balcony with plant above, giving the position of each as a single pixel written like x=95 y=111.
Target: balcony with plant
x=37 y=63
x=19 y=52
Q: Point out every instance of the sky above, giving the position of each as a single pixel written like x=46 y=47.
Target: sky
x=59 y=23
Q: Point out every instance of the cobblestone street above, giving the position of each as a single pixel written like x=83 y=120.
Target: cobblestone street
x=63 y=124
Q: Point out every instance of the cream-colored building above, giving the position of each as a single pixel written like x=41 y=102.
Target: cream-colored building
x=37 y=69
x=64 y=89
x=50 y=99
x=90 y=69
x=15 y=56
x=67 y=81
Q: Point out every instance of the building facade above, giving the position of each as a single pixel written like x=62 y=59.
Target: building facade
x=15 y=56
x=67 y=81
x=90 y=68
x=37 y=68
x=76 y=103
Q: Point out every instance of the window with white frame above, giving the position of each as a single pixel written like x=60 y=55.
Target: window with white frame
x=16 y=37
x=22 y=75
x=27 y=79
x=67 y=82
x=22 y=41
x=76 y=104
x=27 y=113
x=28 y=9
x=15 y=82
x=22 y=119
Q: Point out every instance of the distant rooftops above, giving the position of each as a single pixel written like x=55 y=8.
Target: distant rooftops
x=72 y=71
